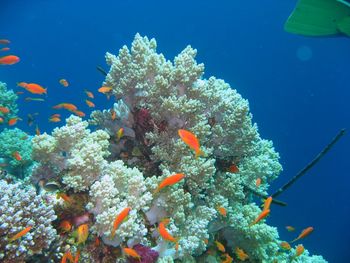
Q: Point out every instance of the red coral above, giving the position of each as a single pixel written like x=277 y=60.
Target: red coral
x=147 y=254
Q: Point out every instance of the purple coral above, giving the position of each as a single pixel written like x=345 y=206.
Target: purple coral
x=147 y=254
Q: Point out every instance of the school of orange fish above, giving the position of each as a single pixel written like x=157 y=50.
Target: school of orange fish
x=187 y=137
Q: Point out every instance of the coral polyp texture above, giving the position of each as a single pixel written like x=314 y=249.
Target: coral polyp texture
x=135 y=146
x=21 y=208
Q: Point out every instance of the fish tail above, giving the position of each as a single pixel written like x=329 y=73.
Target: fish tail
x=199 y=152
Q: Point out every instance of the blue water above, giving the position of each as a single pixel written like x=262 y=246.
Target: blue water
x=298 y=103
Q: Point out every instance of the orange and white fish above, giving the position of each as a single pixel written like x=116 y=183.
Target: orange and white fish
x=89 y=94
x=241 y=255
x=119 y=219
x=9 y=60
x=285 y=245
x=83 y=233
x=191 y=140
x=64 y=83
x=130 y=252
x=170 y=180
x=65 y=197
x=165 y=234
x=20 y=234
x=17 y=156
x=104 y=89
x=90 y=103
x=262 y=215
x=220 y=246
x=307 y=231
x=222 y=211
x=4 y=110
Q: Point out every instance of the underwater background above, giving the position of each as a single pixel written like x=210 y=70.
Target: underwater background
x=297 y=87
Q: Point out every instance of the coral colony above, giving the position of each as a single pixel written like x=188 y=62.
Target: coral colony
x=162 y=176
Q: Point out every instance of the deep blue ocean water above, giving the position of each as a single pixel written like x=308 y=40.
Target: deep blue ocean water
x=298 y=102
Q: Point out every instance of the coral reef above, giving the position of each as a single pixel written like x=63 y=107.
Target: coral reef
x=136 y=146
x=21 y=208
x=72 y=154
x=8 y=101
x=15 y=141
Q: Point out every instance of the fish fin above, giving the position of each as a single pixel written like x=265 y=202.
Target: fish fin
x=200 y=153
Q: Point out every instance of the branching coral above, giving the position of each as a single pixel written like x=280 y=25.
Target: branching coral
x=13 y=142
x=72 y=154
x=21 y=208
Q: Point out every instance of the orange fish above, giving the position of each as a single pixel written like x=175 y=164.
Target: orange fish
x=299 y=250
x=54 y=119
x=267 y=203
x=78 y=113
x=241 y=255
x=4 y=41
x=97 y=241
x=113 y=114
x=17 y=156
x=20 y=234
x=9 y=60
x=65 y=197
x=206 y=241
x=67 y=255
x=90 y=103
x=89 y=94
x=170 y=180
x=290 y=228
x=285 y=245
x=37 y=131
x=220 y=246
x=228 y=258
x=119 y=219
x=222 y=211
x=1 y=120
x=104 y=89
x=304 y=233
x=77 y=256
x=34 y=88
x=262 y=215
x=165 y=234
x=83 y=232
x=120 y=133
x=4 y=110
x=56 y=115
x=13 y=121
x=233 y=168
x=5 y=49
x=258 y=182
x=64 y=83
x=67 y=106
x=130 y=252
x=66 y=226
x=191 y=140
